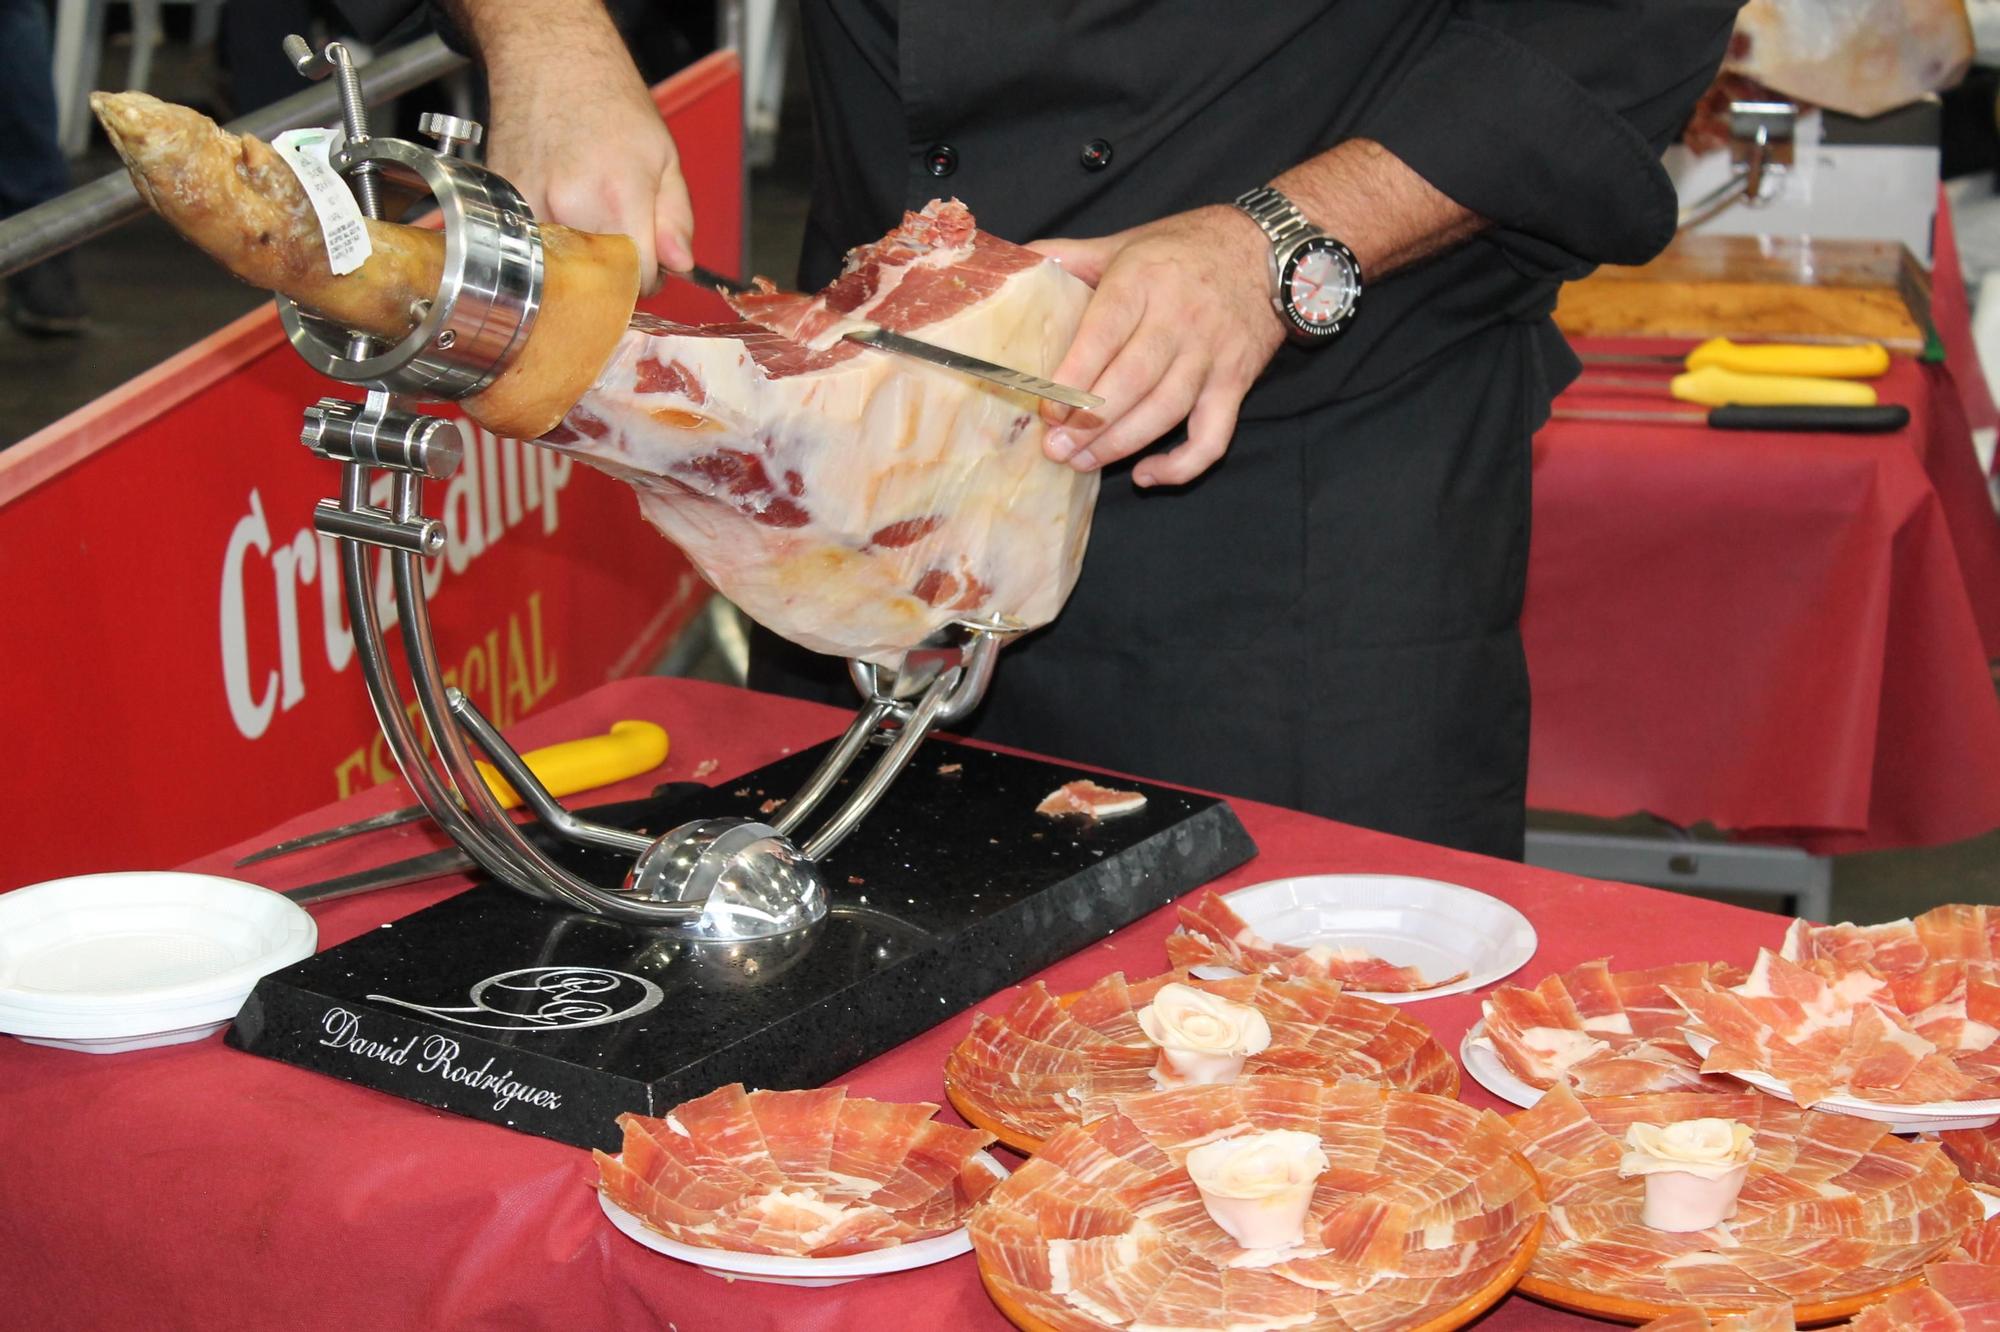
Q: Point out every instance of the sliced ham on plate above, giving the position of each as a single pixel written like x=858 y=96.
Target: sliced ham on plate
x=1212 y=934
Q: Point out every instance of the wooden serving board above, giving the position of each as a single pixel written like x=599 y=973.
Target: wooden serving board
x=1788 y=288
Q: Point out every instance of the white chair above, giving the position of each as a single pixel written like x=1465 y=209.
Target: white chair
x=79 y=50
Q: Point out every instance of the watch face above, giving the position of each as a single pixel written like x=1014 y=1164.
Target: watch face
x=1322 y=284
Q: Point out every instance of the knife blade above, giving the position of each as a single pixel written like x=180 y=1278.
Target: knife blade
x=455 y=860
x=883 y=339
x=626 y=750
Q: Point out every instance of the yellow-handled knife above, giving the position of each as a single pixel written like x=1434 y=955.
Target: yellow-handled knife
x=1861 y=360
x=628 y=749
x=1712 y=386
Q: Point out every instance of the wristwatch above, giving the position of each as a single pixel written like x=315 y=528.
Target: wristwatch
x=1315 y=281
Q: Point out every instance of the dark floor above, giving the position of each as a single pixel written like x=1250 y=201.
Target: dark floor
x=151 y=296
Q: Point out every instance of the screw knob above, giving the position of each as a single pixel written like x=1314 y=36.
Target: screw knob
x=449 y=131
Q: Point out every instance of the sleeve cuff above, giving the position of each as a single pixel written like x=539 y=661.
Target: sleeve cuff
x=1501 y=130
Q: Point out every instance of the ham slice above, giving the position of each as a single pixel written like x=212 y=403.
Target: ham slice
x=1104 y=1228
x=1043 y=1065
x=1602 y=1032
x=1825 y=1029
x=804 y=1173
x=1089 y=800
x=1833 y=1207
x=1212 y=934
x=852 y=500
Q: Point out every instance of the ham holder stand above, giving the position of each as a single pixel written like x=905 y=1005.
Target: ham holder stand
x=631 y=969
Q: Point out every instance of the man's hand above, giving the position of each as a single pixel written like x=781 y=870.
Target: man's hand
x=575 y=129
x=1182 y=322
x=1180 y=328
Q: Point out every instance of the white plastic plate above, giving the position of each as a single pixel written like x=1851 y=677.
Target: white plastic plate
x=1489 y=1071
x=1924 y=1117
x=782 y=1270
x=108 y=962
x=1439 y=928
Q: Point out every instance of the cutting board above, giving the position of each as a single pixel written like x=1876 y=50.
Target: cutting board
x=1769 y=288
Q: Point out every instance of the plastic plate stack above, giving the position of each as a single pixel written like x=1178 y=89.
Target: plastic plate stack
x=111 y=962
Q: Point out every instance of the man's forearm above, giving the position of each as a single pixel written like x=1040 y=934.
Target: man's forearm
x=514 y=40
x=1362 y=195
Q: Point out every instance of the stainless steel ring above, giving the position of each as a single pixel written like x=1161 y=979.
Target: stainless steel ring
x=487 y=296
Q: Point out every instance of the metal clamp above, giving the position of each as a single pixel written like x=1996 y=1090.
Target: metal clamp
x=1761 y=137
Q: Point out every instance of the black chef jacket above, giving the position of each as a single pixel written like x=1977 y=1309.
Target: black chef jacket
x=1328 y=619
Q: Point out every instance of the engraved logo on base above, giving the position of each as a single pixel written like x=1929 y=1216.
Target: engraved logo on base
x=546 y=999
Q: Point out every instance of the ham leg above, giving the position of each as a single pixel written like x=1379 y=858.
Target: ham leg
x=851 y=500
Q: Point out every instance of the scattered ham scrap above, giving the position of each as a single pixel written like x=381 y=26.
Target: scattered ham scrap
x=1961 y=1293
x=1211 y=934
x=851 y=500
x=1834 y=1206
x=803 y=1173
x=1424 y=1204
x=1086 y=798
x=1603 y=1032
x=1824 y=1029
x=1044 y=1064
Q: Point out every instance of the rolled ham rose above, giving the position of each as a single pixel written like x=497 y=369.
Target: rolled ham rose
x=1693 y=1170
x=1259 y=1186
x=1202 y=1038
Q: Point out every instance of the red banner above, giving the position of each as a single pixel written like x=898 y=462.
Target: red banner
x=178 y=669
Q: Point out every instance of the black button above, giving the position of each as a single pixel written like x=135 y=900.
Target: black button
x=941 y=159
x=1097 y=154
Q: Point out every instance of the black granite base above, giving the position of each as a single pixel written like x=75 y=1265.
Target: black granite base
x=499 y=1007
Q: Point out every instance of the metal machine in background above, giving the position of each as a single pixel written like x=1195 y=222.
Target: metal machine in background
x=1804 y=171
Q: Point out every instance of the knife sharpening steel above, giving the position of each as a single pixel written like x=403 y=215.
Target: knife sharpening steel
x=727 y=948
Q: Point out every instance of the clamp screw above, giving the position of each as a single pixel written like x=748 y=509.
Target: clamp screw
x=450 y=132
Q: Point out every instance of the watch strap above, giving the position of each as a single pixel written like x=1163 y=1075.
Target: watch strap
x=1280 y=218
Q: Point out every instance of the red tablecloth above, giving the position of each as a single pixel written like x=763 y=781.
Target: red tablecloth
x=199 y=1187
x=1784 y=635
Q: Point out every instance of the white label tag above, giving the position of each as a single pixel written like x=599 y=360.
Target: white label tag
x=340 y=218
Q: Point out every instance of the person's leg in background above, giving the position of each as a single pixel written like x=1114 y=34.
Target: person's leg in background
x=44 y=299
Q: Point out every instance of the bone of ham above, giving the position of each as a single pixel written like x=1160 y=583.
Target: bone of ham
x=853 y=501
x=238 y=200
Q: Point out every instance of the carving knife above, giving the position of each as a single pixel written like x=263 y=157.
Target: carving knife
x=883 y=339
x=1862 y=360
x=628 y=749
x=1713 y=386
x=1835 y=420
x=455 y=860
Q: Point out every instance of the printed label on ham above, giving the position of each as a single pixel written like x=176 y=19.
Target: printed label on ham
x=854 y=501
